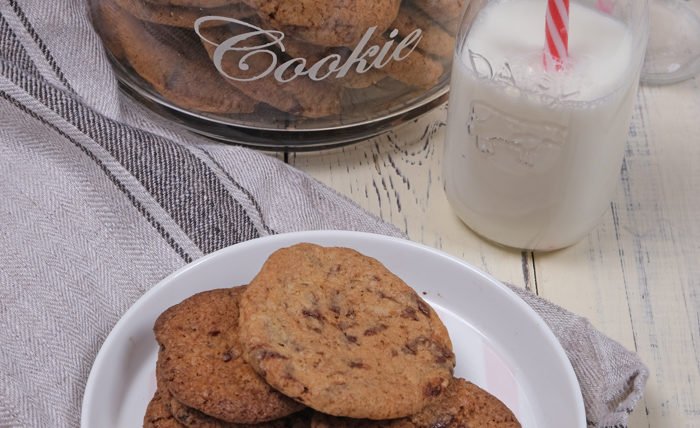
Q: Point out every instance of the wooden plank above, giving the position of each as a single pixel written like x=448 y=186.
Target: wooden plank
x=397 y=176
x=637 y=275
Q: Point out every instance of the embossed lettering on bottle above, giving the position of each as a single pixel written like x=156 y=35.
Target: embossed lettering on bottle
x=530 y=142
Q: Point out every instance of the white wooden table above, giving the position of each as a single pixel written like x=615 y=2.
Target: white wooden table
x=636 y=276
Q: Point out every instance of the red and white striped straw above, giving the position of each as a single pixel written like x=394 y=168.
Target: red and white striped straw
x=556 y=49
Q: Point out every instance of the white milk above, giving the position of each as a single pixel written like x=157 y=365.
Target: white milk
x=532 y=158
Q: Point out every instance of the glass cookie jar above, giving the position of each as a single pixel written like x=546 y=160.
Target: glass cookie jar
x=292 y=74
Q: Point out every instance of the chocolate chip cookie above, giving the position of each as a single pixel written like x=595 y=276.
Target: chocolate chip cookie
x=200 y=361
x=337 y=331
x=173 y=62
x=462 y=405
x=327 y=22
x=194 y=3
x=157 y=413
x=192 y=418
x=181 y=16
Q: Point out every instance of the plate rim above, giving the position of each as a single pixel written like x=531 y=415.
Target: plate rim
x=90 y=384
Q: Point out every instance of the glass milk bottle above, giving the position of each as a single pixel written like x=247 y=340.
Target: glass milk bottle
x=533 y=152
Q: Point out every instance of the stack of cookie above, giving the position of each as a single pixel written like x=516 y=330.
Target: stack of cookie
x=161 y=44
x=322 y=337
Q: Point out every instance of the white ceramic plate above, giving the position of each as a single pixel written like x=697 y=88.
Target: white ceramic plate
x=500 y=342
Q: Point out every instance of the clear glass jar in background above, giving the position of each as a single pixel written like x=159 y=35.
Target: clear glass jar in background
x=287 y=74
x=532 y=157
x=673 y=54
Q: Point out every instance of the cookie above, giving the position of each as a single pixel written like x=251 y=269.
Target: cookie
x=157 y=413
x=339 y=332
x=447 y=13
x=192 y=418
x=327 y=22
x=173 y=63
x=201 y=365
x=465 y=404
x=181 y=16
x=300 y=96
x=435 y=40
x=462 y=405
x=193 y=3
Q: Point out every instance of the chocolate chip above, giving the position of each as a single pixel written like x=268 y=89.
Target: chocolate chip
x=351 y=338
x=357 y=365
x=432 y=390
x=409 y=313
x=312 y=313
x=374 y=330
x=182 y=416
x=412 y=346
x=423 y=307
x=443 y=355
x=214 y=333
x=229 y=355
x=382 y=295
x=266 y=354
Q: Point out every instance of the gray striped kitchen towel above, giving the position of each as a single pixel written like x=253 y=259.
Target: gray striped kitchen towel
x=99 y=200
